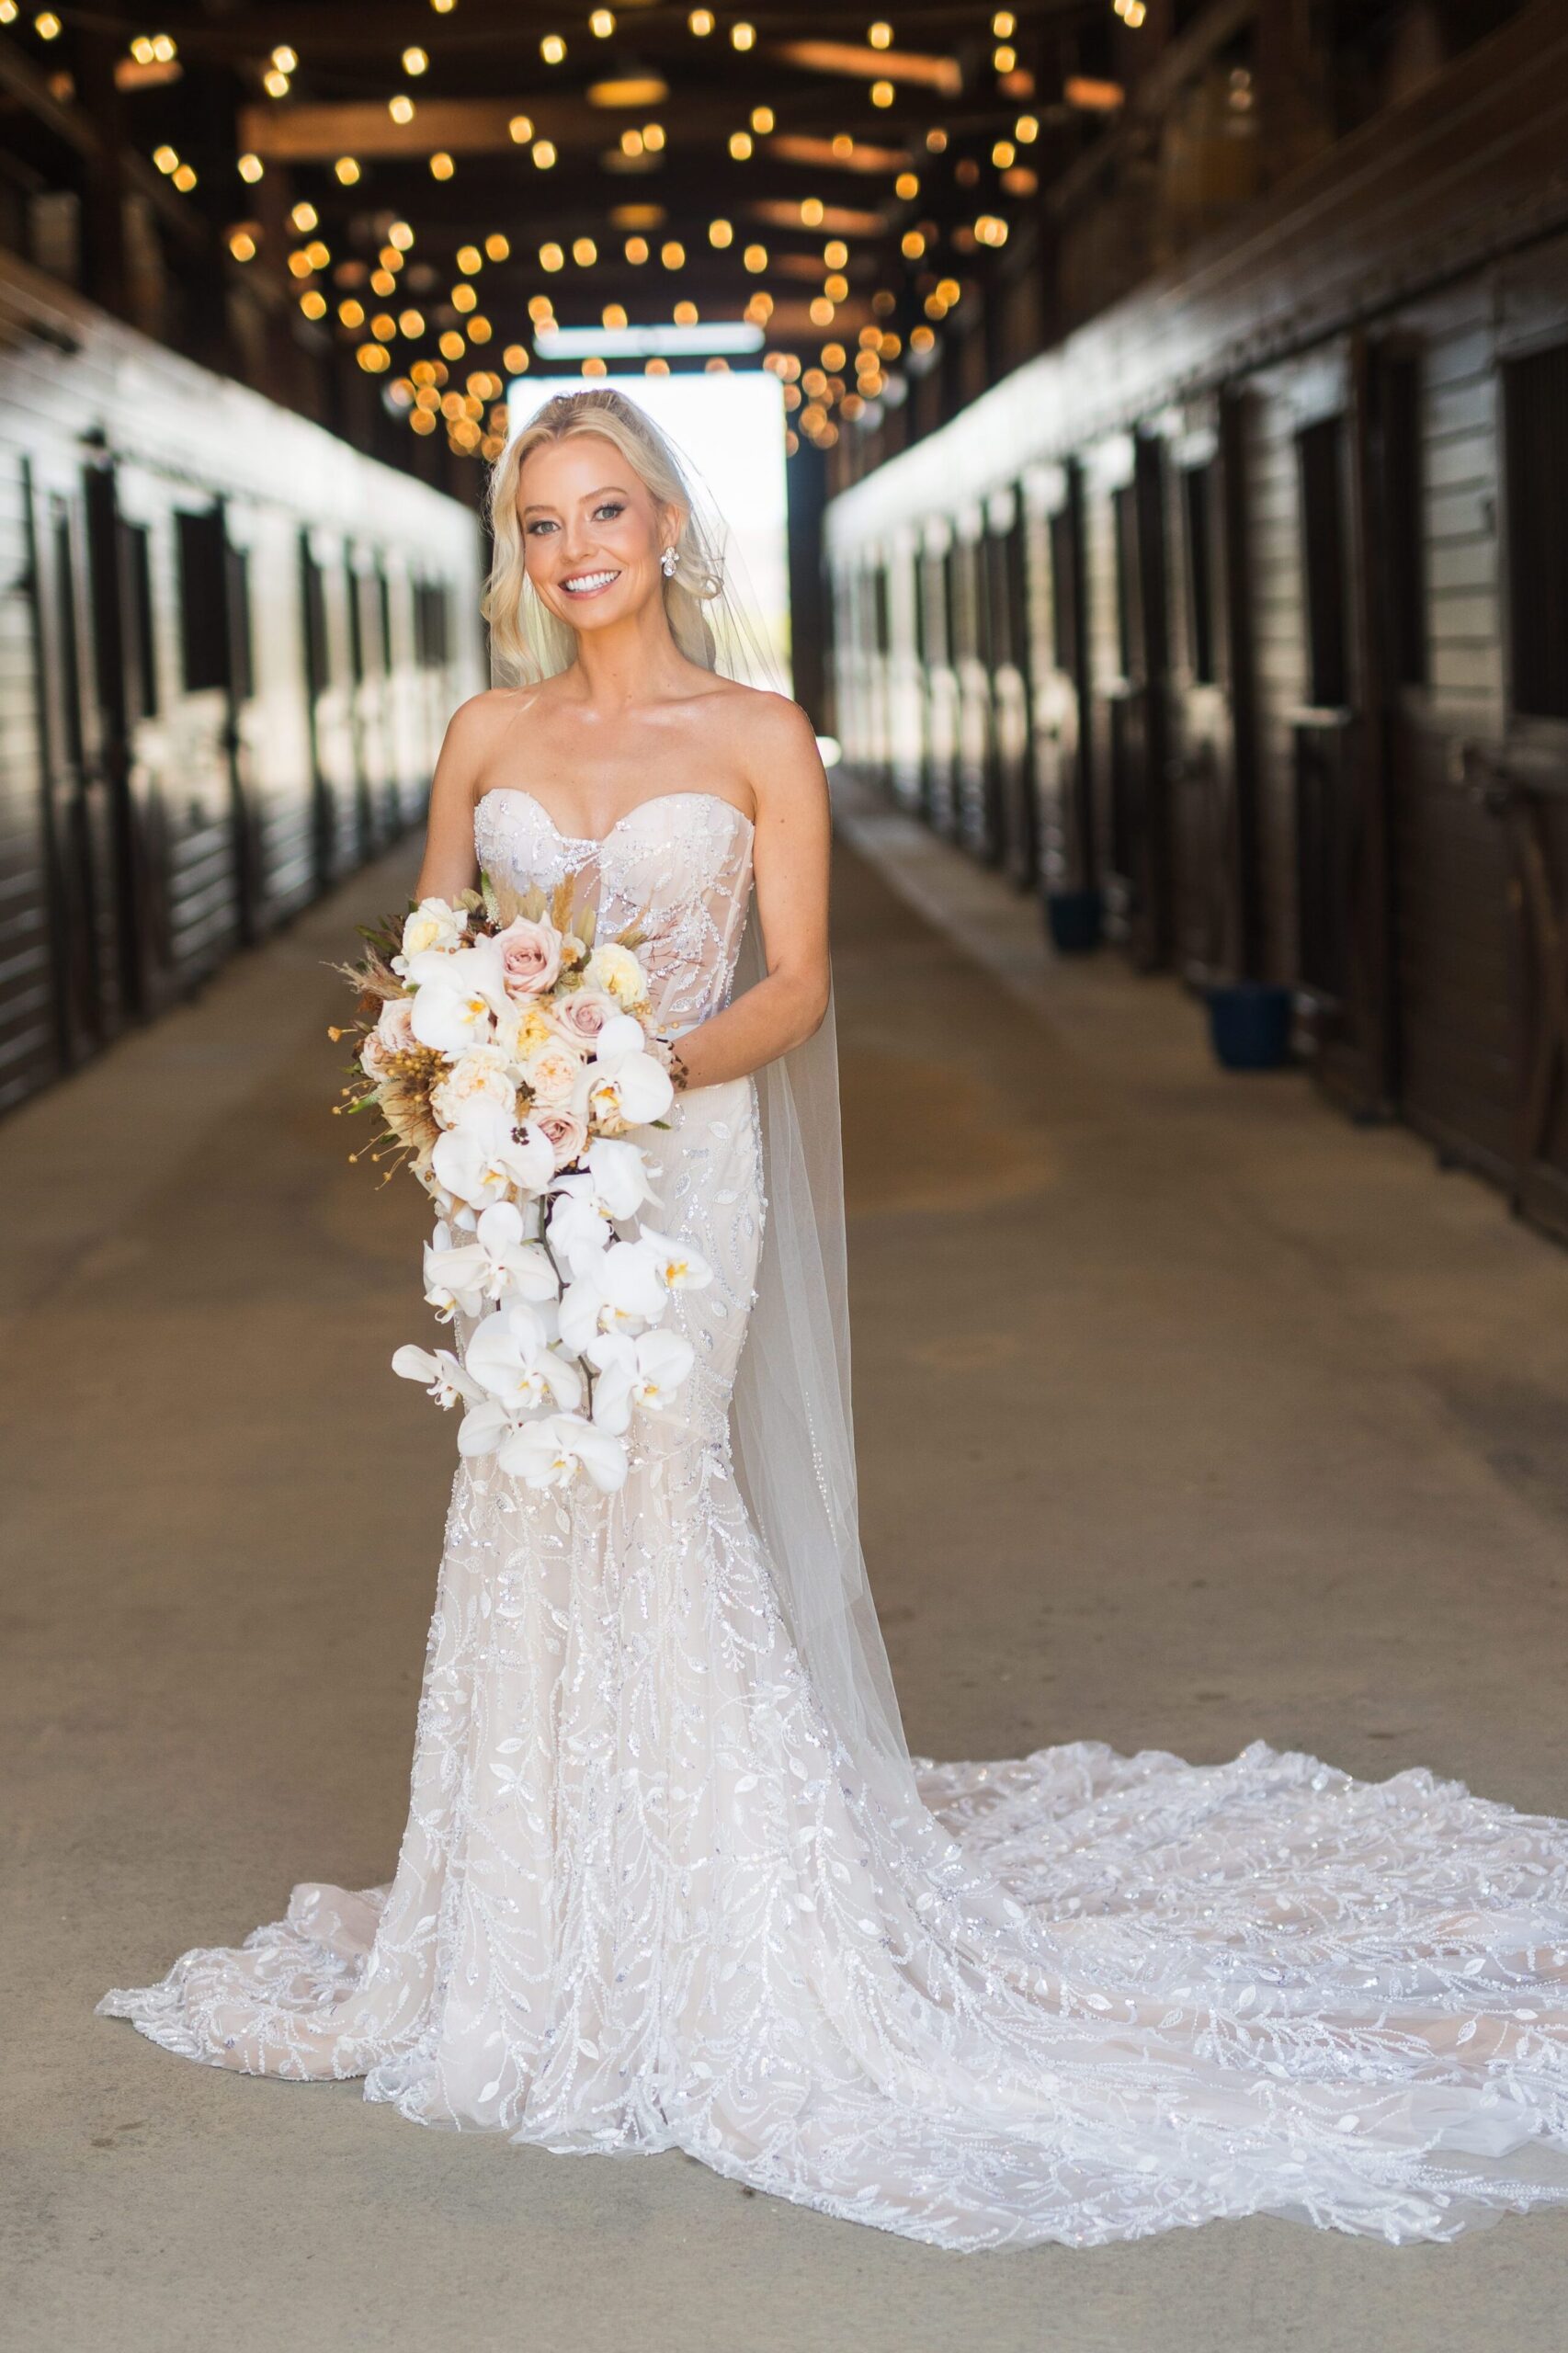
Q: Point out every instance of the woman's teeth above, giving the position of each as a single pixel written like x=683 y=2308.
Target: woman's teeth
x=588 y=583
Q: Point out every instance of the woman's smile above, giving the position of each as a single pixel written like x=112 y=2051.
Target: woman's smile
x=588 y=584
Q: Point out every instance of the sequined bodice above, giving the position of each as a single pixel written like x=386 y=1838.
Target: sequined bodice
x=678 y=866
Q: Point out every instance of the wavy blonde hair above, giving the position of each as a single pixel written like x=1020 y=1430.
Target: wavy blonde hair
x=528 y=641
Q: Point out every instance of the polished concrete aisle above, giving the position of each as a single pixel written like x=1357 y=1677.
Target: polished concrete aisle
x=1188 y=1415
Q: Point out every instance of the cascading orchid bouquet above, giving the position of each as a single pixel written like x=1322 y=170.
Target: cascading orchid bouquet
x=513 y=1061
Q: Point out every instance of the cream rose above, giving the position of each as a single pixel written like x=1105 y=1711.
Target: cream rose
x=433 y=924
x=566 y=1132
x=530 y=956
x=554 y=1074
x=391 y=1035
x=479 y=1082
x=583 y=1014
x=616 y=970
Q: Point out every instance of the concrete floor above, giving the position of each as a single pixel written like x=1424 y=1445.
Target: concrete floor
x=1187 y=1415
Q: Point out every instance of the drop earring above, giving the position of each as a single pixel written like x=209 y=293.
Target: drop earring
x=667 y=563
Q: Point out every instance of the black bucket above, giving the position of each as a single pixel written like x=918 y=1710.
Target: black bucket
x=1249 y=1022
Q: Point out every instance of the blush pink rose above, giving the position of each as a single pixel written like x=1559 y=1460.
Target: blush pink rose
x=531 y=957
x=565 y=1133
x=392 y=1034
x=583 y=1014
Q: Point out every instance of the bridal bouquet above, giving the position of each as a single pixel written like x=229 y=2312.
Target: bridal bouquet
x=513 y=1061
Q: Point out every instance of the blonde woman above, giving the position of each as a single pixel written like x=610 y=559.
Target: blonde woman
x=670 y=1878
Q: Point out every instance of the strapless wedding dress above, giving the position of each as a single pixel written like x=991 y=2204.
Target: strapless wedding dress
x=645 y=1901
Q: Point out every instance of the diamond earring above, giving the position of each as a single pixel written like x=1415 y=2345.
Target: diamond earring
x=667 y=563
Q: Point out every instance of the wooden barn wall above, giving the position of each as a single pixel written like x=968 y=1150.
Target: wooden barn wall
x=1358 y=787
x=164 y=796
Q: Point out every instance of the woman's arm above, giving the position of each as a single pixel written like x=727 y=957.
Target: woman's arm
x=789 y=857
x=449 y=864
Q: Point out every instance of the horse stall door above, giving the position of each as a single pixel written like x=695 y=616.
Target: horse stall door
x=942 y=677
x=78 y=827
x=1007 y=605
x=1124 y=543
x=340 y=828
x=1526 y=788
x=979 y=827
x=413 y=758
x=378 y=810
x=208 y=857
x=1208 y=833
x=30 y=1033
x=906 y=732
x=1056 y=640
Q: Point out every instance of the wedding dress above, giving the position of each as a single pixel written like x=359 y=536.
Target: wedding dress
x=666 y=1885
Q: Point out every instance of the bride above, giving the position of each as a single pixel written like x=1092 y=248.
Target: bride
x=670 y=1878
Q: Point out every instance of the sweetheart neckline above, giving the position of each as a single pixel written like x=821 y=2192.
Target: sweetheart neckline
x=597 y=841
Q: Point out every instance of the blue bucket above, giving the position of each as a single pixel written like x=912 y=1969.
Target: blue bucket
x=1249 y=1023
x=1073 y=921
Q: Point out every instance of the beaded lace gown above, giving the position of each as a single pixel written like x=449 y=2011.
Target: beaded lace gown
x=645 y=1900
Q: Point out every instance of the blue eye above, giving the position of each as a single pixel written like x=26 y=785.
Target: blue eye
x=610 y=507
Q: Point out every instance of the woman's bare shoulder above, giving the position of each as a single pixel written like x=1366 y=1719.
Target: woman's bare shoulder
x=758 y=723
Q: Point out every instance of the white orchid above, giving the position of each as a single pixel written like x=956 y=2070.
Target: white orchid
x=551 y=1450
x=512 y=1359
x=628 y=1088
x=680 y=1266
x=459 y=993
x=498 y=1263
x=444 y=1378
x=621 y=1291
x=483 y=1161
x=433 y=925
x=640 y=1372
x=579 y=1224
x=619 y=1173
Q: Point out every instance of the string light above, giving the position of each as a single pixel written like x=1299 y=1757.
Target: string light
x=411 y=323
x=879 y=35
x=1003 y=58
x=762 y=119
x=1025 y=130
x=470 y=260
x=347 y=170
x=584 y=253
x=251 y=168
x=907 y=187
x=882 y=94
x=1004 y=23
x=242 y=244
x=441 y=166
x=314 y=304
x=811 y=212
x=543 y=153
x=740 y=145
x=700 y=22
x=673 y=254
x=400 y=235
x=721 y=233
x=351 y=313
x=601 y=24
x=552 y=257
x=274 y=81
x=515 y=359
x=743 y=36
x=521 y=130
x=285 y=58
x=497 y=246
x=401 y=107
x=636 y=250
x=552 y=48
x=755 y=258
x=166 y=159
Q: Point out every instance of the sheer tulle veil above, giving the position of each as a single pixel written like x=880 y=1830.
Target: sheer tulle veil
x=794 y=1445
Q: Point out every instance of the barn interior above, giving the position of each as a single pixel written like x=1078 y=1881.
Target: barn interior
x=1170 y=400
